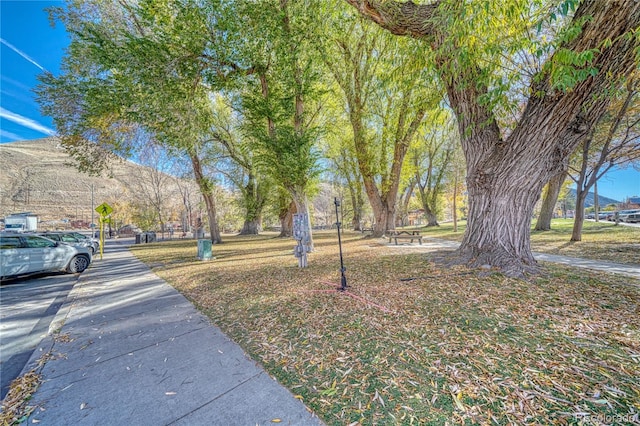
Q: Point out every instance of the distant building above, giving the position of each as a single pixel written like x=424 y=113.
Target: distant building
x=633 y=202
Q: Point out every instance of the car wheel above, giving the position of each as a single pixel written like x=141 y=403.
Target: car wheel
x=78 y=264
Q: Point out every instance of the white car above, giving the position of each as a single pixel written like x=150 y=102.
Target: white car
x=23 y=254
x=73 y=238
x=623 y=215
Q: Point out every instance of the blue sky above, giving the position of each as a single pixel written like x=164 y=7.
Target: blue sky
x=29 y=46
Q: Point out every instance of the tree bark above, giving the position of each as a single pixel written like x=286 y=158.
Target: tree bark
x=454 y=213
x=286 y=220
x=405 y=198
x=549 y=200
x=250 y=227
x=206 y=189
x=254 y=202
x=357 y=201
x=578 y=218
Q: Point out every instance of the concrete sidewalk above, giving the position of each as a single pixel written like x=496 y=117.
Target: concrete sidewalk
x=132 y=350
x=633 y=271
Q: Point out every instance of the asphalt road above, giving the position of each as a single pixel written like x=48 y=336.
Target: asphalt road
x=27 y=307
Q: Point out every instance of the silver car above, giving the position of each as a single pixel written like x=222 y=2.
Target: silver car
x=73 y=238
x=95 y=242
x=23 y=254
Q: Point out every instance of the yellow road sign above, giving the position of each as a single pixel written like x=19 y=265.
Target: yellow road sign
x=104 y=209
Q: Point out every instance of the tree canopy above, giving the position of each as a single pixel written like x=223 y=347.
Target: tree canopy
x=526 y=82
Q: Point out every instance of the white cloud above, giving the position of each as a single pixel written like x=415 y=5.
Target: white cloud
x=20 y=85
x=25 y=122
x=21 y=53
x=9 y=135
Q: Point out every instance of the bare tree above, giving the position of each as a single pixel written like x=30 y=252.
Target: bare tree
x=154 y=184
x=615 y=141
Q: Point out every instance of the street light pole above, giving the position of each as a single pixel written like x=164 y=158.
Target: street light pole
x=343 y=277
x=92 y=208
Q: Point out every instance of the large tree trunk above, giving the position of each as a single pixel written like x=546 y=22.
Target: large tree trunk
x=505 y=176
x=403 y=202
x=384 y=212
x=432 y=219
x=206 y=188
x=250 y=227
x=286 y=220
x=549 y=200
x=500 y=233
x=428 y=200
x=454 y=206
x=254 y=203
x=357 y=202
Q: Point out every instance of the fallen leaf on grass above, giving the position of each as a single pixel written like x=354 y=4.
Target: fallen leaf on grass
x=458 y=400
x=506 y=351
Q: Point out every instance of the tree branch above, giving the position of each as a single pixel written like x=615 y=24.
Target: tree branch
x=400 y=18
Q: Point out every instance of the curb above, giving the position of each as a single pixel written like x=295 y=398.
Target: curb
x=48 y=342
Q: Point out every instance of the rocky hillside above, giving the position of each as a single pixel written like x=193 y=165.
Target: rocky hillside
x=36 y=176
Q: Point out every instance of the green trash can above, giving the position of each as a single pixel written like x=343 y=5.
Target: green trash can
x=204 y=249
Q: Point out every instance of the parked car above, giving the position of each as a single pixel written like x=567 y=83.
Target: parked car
x=95 y=242
x=23 y=254
x=623 y=215
x=631 y=218
x=73 y=238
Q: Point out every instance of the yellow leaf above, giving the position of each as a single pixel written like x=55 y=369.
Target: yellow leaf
x=276 y=421
x=458 y=400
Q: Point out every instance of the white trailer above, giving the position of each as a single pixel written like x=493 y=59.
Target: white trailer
x=21 y=222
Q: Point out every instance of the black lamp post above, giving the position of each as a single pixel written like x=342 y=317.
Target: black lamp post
x=343 y=279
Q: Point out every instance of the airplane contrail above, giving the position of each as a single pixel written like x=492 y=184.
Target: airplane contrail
x=21 y=53
x=25 y=122
x=10 y=135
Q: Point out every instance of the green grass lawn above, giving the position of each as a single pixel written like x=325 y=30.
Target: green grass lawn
x=449 y=347
x=603 y=240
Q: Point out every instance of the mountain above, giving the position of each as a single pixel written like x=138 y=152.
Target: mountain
x=36 y=176
x=590 y=200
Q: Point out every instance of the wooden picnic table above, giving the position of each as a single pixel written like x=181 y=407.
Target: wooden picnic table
x=404 y=235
